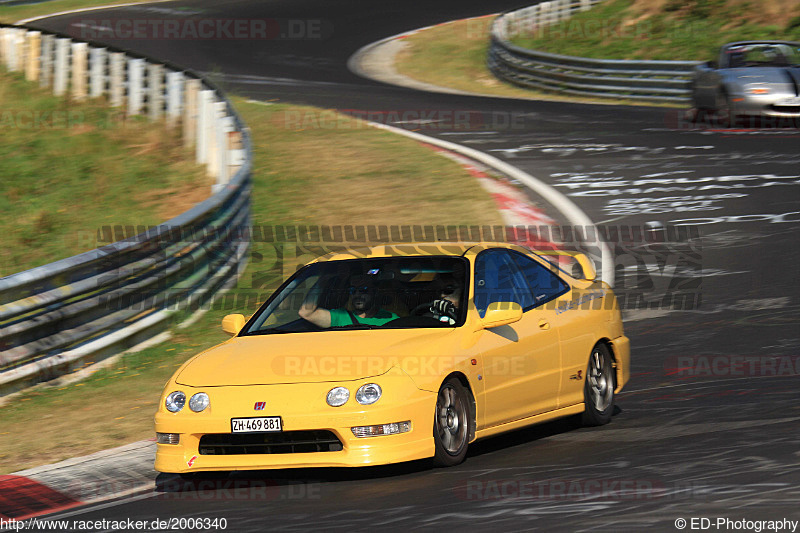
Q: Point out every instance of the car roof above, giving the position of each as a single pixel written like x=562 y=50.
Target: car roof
x=454 y=249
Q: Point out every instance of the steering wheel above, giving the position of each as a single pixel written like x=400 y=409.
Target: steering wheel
x=421 y=309
x=445 y=309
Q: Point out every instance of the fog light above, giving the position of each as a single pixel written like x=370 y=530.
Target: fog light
x=384 y=429
x=168 y=438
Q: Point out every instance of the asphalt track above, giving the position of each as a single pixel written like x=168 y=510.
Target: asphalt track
x=715 y=435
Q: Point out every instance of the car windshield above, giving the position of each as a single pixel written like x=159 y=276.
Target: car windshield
x=763 y=54
x=384 y=293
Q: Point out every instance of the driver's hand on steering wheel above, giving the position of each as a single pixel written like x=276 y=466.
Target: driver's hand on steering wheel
x=444 y=311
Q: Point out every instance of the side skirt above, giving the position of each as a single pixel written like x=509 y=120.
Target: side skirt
x=529 y=421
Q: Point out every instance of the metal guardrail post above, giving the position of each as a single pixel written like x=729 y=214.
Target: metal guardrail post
x=116 y=82
x=34 y=47
x=191 y=111
x=61 y=66
x=11 y=49
x=135 y=85
x=155 y=91
x=203 y=125
x=97 y=71
x=47 y=62
x=212 y=165
x=229 y=129
x=3 y=52
x=221 y=144
x=21 y=49
x=174 y=91
x=80 y=53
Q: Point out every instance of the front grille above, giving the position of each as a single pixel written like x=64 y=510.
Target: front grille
x=269 y=443
x=791 y=109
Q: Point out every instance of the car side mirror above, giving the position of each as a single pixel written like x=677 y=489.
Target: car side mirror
x=711 y=64
x=233 y=324
x=500 y=314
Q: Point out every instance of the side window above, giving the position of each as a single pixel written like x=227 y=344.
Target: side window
x=497 y=279
x=544 y=284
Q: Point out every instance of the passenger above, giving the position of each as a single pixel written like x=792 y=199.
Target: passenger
x=363 y=301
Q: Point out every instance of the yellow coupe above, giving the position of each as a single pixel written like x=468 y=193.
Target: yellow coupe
x=395 y=353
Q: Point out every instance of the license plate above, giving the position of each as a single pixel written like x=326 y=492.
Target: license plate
x=794 y=100
x=259 y=424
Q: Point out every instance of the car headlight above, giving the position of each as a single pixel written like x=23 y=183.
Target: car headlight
x=368 y=394
x=198 y=402
x=338 y=396
x=175 y=401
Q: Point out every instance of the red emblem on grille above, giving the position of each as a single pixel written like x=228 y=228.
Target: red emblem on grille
x=259 y=406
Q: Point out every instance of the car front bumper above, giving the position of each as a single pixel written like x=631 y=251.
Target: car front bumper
x=766 y=105
x=302 y=407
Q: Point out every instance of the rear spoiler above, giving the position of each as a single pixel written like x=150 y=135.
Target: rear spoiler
x=587 y=266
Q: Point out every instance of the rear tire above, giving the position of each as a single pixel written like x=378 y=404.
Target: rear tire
x=452 y=423
x=598 y=389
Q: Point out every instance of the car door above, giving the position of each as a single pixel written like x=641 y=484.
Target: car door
x=578 y=318
x=521 y=360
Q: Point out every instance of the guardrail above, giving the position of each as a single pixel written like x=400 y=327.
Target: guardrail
x=657 y=81
x=62 y=316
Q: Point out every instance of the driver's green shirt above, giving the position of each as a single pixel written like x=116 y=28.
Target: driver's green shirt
x=341 y=318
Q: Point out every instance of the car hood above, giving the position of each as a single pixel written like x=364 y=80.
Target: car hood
x=311 y=357
x=777 y=75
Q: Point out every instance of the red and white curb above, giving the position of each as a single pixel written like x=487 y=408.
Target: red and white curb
x=518 y=212
x=571 y=212
x=112 y=473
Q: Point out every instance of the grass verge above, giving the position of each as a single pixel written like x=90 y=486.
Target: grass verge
x=666 y=29
x=614 y=29
x=465 y=44
x=71 y=167
x=312 y=166
x=12 y=14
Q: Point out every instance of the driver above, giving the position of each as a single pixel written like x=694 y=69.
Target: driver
x=362 y=300
x=445 y=309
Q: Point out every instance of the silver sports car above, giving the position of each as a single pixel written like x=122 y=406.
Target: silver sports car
x=750 y=78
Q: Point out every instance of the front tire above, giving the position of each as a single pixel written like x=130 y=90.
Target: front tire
x=451 y=423
x=598 y=389
x=725 y=113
